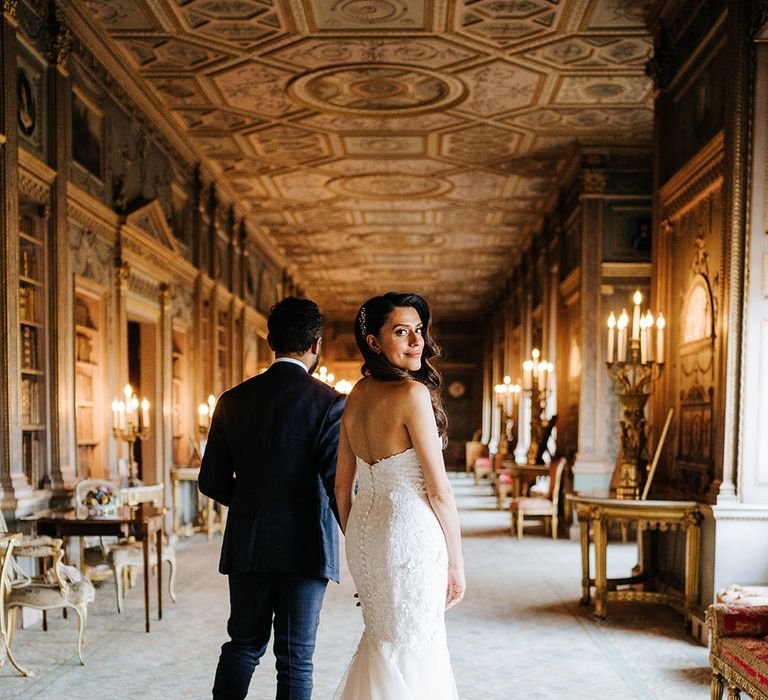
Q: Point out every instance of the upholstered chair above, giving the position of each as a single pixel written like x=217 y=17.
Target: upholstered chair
x=58 y=588
x=545 y=507
x=7 y=543
x=125 y=556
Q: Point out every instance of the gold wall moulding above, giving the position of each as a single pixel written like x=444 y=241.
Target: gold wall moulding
x=390 y=186
x=377 y=90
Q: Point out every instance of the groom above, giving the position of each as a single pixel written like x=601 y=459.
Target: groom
x=271 y=457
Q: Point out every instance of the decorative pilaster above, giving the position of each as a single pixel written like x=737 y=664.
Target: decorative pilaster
x=61 y=311
x=164 y=416
x=592 y=469
x=737 y=138
x=13 y=483
x=120 y=330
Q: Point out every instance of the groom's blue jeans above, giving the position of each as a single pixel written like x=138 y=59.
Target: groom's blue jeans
x=254 y=598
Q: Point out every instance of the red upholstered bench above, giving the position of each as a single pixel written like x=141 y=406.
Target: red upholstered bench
x=738 y=650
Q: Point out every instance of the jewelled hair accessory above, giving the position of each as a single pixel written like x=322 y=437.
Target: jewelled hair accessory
x=362 y=322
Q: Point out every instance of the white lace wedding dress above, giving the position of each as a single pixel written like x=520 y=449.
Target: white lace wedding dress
x=397 y=555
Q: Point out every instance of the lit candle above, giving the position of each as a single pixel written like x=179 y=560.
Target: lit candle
x=202 y=415
x=128 y=393
x=621 y=324
x=643 y=342
x=145 y=413
x=543 y=375
x=611 y=338
x=660 y=323
x=649 y=336
x=527 y=370
x=330 y=377
x=134 y=410
x=115 y=415
x=636 y=316
x=121 y=414
x=535 y=355
x=211 y=406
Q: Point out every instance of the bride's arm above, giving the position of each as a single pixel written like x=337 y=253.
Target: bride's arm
x=346 y=473
x=420 y=422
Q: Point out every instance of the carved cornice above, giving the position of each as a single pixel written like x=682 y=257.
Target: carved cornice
x=143 y=286
x=702 y=174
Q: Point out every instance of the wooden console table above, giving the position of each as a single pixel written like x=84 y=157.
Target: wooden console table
x=142 y=523
x=598 y=513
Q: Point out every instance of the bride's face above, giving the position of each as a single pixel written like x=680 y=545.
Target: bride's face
x=400 y=339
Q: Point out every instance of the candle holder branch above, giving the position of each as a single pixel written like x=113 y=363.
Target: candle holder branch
x=130 y=434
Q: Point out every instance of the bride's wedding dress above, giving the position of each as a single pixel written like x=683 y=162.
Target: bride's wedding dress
x=398 y=558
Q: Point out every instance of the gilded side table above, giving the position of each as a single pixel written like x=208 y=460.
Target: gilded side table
x=207 y=514
x=597 y=513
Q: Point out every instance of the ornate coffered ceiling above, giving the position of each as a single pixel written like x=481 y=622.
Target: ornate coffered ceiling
x=392 y=143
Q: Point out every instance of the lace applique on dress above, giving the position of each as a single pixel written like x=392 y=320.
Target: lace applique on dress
x=398 y=559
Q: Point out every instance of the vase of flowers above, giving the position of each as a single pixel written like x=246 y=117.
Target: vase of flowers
x=101 y=500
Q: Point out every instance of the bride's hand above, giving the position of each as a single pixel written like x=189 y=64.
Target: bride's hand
x=456 y=586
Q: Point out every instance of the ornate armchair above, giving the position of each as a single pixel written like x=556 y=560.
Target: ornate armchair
x=7 y=543
x=539 y=506
x=738 y=650
x=126 y=556
x=59 y=587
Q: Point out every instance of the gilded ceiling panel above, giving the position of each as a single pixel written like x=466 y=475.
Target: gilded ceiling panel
x=256 y=88
x=357 y=15
x=504 y=22
x=400 y=145
x=410 y=134
x=313 y=54
x=498 y=87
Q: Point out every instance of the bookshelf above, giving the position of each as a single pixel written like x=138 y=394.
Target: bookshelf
x=33 y=343
x=89 y=406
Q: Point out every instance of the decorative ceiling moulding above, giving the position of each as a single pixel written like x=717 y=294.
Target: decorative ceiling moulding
x=390 y=186
x=377 y=89
x=369 y=15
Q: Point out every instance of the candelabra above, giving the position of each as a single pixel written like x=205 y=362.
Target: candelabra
x=130 y=424
x=204 y=416
x=506 y=394
x=536 y=381
x=634 y=378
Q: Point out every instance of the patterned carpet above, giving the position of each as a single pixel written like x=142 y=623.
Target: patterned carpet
x=519 y=634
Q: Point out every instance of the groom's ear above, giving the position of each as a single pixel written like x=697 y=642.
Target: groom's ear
x=316 y=344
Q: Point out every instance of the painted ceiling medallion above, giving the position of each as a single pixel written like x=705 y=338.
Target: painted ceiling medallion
x=389 y=186
x=377 y=89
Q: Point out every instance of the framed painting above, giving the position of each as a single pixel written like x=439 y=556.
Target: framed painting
x=87 y=135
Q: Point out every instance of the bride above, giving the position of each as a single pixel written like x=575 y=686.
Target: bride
x=403 y=542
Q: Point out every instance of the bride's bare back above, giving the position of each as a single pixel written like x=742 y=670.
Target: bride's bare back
x=375 y=419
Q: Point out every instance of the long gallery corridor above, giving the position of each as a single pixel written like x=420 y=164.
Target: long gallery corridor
x=520 y=633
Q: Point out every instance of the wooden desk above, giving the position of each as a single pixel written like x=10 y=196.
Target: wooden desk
x=649 y=516
x=141 y=522
x=206 y=514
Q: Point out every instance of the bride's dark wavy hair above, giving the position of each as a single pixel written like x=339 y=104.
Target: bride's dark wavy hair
x=370 y=320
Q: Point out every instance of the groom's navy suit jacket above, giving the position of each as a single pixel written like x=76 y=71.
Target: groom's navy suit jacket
x=271 y=457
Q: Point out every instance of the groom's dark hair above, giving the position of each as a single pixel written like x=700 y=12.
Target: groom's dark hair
x=293 y=325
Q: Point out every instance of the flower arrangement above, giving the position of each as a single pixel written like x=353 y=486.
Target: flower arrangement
x=101 y=500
